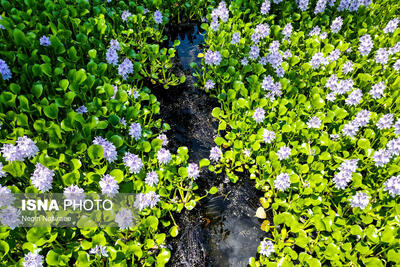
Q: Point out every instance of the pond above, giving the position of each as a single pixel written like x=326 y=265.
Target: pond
x=222 y=230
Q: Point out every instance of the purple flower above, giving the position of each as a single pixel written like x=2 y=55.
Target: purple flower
x=391 y=26
x=394 y=147
x=112 y=56
x=44 y=41
x=42 y=178
x=109 y=150
x=314 y=123
x=382 y=157
x=158 y=17
x=259 y=115
x=266 y=5
x=392 y=185
x=26 y=147
x=6 y=197
x=5 y=70
x=151 y=178
x=377 y=90
x=135 y=131
x=221 y=12
x=359 y=200
x=315 y=31
x=385 y=122
x=74 y=192
x=125 y=15
x=337 y=24
x=287 y=31
x=109 y=186
x=362 y=118
x=10 y=217
x=366 y=45
x=215 y=154
x=193 y=171
x=81 y=110
x=148 y=200
x=99 y=250
x=163 y=156
x=209 y=85
x=254 y=52
x=317 y=60
x=334 y=55
x=164 y=139
x=152 y=199
x=1 y=26
x=320 y=7
x=266 y=248
x=397 y=127
x=344 y=4
x=124 y=218
x=354 y=98
x=284 y=152
x=396 y=65
x=33 y=260
x=11 y=153
x=261 y=31
x=235 y=38
x=125 y=68
x=133 y=92
x=323 y=35
x=302 y=4
x=331 y=3
x=133 y=162
x=244 y=61
x=214 y=25
x=347 y=67
x=382 y=56
x=287 y=54
x=114 y=44
x=2 y=173
x=342 y=179
x=212 y=58
x=268 y=136
x=282 y=181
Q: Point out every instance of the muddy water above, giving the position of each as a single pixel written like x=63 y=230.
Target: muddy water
x=221 y=230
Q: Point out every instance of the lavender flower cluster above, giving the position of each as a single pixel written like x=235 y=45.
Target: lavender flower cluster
x=212 y=58
x=273 y=88
x=133 y=162
x=109 y=150
x=146 y=200
x=5 y=71
x=42 y=178
x=221 y=12
x=24 y=148
x=383 y=156
x=345 y=174
x=361 y=120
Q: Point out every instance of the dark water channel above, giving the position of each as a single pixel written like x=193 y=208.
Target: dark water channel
x=222 y=229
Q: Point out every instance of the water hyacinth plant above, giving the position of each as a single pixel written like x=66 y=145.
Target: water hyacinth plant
x=308 y=94
x=315 y=101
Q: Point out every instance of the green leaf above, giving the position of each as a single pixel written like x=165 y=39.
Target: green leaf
x=118 y=175
x=37 y=90
x=213 y=190
x=19 y=37
x=204 y=163
x=51 y=111
x=4 y=248
x=16 y=168
x=174 y=231
x=216 y=112
x=95 y=153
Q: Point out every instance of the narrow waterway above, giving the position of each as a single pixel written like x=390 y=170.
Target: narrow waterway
x=222 y=230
